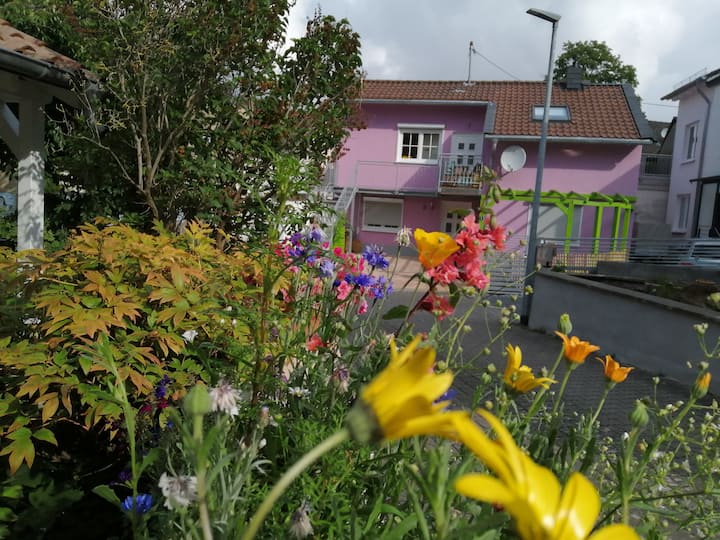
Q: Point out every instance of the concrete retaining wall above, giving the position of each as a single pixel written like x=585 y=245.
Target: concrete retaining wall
x=639 y=329
x=658 y=272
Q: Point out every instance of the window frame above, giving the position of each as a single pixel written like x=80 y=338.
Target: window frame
x=382 y=228
x=690 y=142
x=423 y=131
x=682 y=214
x=537 y=112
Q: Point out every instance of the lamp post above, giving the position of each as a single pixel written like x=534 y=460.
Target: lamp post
x=532 y=238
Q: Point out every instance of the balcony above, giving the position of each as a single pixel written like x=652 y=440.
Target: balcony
x=656 y=164
x=459 y=174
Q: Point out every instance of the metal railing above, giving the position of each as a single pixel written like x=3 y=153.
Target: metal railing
x=656 y=164
x=582 y=255
x=453 y=175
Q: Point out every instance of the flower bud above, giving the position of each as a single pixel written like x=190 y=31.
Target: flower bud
x=700 y=388
x=565 y=324
x=700 y=329
x=198 y=401
x=639 y=415
x=491 y=367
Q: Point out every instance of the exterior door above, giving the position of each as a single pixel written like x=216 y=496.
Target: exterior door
x=467 y=149
x=453 y=213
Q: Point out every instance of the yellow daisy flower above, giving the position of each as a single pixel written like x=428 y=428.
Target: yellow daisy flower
x=434 y=248
x=402 y=400
x=518 y=377
x=530 y=493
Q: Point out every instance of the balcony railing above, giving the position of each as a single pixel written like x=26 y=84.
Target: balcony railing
x=656 y=164
x=459 y=173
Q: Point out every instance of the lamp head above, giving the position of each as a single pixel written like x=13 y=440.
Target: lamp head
x=545 y=15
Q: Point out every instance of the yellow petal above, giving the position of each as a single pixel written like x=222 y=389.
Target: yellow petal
x=484 y=488
x=615 y=532
x=578 y=510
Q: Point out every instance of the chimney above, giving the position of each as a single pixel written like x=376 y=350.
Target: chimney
x=574 y=78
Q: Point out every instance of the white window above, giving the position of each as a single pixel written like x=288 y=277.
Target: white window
x=382 y=215
x=691 y=131
x=683 y=212
x=556 y=113
x=418 y=143
x=552 y=222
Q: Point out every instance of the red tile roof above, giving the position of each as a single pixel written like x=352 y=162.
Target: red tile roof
x=596 y=110
x=14 y=40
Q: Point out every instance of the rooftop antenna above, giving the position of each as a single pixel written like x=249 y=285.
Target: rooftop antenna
x=471 y=50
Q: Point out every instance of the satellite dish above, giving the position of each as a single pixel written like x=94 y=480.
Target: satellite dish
x=513 y=158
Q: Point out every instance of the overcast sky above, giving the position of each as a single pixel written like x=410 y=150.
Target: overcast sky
x=666 y=40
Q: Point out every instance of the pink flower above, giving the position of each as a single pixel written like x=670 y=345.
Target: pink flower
x=363 y=307
x=445 y=273
x=437 y=305
x=344 y=289
x=313 y=343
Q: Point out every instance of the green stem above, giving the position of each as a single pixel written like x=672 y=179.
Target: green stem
x=537 y=401
x=589 y=428
x=290 y=475
x=571 y=367
x=200 y=471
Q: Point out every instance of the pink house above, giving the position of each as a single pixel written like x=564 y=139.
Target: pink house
x=417 y=162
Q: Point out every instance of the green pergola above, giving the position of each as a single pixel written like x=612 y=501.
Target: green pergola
x=621 y=205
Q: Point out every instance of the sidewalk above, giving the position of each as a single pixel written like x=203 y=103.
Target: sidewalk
x=539 y=351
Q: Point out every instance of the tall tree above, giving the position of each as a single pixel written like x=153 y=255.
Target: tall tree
x=198 y=100
x=598 y=62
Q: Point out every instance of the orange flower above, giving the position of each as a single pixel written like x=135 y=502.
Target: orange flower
x=613 y=371
x=434 y=248
x=576 y=351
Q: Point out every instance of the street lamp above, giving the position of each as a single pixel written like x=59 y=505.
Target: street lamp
x=532 y=239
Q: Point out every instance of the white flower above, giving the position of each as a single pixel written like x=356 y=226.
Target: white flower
x=31 y=321
x=402 y=238
x=300 y=526
x=224 y=398
x=266 y=418
x=296 y=391
x=179 y=491
x=189 y=335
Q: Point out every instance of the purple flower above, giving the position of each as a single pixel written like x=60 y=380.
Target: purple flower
x=382 y=288
x=140 y=505
x=326 y=267
x=374 y=255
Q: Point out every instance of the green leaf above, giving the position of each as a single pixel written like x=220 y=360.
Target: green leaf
x=397 y=312
x=107 y=493
x=85 y=364
x=150 y=458
x=12 y=492
x=44 y=434
x=402 y=528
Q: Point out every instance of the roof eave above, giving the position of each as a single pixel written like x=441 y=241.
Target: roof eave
x=581 y=140
x=37 y=70
x=390 y=101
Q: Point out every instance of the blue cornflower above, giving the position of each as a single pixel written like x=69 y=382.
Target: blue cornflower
x=374 y=255
x=142 y=503
x=326 y=267
x=382 y=288
x=160 y=390
x=361 y=280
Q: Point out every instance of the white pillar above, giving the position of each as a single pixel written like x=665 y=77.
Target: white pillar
x=31 y=175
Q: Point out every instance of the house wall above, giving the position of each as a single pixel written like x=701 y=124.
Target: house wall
x=692 y=108
x=369 y=162
x=582 y=168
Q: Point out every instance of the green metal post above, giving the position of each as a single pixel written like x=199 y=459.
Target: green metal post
x=598 y=229
x=615 y=226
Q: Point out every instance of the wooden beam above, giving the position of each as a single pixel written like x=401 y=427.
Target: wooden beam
x=9 y=128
